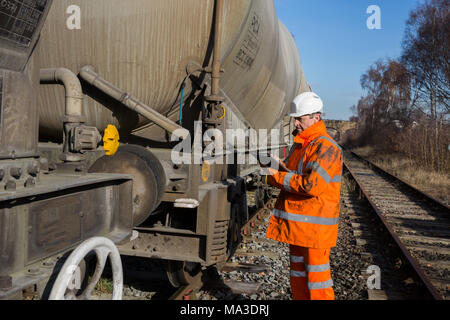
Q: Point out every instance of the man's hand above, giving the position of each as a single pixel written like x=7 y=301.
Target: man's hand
x=278 y=160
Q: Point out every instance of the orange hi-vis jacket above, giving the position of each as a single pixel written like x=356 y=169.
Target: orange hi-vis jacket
x=306 y=213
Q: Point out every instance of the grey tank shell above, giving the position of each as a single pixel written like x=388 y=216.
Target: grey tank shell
x=144 y=46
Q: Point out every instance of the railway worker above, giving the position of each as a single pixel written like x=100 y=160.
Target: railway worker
x=307 y=210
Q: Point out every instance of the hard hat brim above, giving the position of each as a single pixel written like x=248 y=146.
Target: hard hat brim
x=296 y=115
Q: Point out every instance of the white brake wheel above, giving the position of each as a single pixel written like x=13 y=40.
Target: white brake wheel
x=103 y=248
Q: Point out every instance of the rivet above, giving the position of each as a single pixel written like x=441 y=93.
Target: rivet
x=34 y=271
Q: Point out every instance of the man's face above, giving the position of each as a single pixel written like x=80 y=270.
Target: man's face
x=304 y=122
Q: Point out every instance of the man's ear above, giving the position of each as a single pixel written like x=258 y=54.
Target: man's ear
x=318 y=117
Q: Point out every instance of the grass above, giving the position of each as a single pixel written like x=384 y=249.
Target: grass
x=104 y=285
x=433 y=183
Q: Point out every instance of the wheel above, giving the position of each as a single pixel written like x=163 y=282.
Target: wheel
x=234 y=236
x=149 y=180
x=70 y=275
x=181 y=273
x=153 y=163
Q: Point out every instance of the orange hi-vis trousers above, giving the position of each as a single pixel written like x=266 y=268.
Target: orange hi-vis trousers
x=311 y=274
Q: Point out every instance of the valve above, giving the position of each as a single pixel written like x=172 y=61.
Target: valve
x=83 y=138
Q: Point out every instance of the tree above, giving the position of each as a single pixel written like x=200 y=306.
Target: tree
x=426 y=55
x=389 y=93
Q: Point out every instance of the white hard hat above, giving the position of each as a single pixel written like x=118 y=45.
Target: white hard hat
x=306 y=103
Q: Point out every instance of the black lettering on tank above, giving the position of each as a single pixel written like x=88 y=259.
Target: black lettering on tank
x=250 y=46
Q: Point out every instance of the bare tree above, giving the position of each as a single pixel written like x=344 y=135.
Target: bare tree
x=426 y=54
x=426 y=57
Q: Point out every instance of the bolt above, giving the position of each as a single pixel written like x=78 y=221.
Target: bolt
x=48 y=264
x=15 y=172
x=34 y=271
x=33 y=169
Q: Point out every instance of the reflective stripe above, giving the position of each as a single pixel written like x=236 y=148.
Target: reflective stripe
x=300 y=164
x=320 y=285
x=298 y=274
x=336 y=178
x=318 y=268
x=306 y=219
x=297 y=259
x=287 y=179
x=326 y=138
x=320 y=171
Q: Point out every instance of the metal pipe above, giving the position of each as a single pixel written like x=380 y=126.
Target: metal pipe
x=72 y=85
x=215 y=75
x=88 y=74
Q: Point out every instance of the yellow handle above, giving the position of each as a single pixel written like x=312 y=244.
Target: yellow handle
x=224 y=113
x=111 y=140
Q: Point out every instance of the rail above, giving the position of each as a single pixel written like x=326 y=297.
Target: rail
x=414 y=220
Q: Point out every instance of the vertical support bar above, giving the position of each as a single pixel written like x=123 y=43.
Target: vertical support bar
x=215 y=76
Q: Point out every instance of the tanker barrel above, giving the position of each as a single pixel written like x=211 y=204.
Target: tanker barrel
x=148 y=59
x=89 y=75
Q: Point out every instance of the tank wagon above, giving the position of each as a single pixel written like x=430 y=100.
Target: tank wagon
x=154 y=74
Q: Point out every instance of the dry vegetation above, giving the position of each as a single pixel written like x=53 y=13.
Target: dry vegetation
x=434 y=183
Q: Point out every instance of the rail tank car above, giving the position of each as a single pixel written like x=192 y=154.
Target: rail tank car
x=145 y=48
x=77 y=77
x=231 y=64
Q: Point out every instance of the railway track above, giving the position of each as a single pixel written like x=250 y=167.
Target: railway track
x=419 y=224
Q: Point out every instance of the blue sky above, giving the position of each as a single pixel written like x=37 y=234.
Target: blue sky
x=336 y=47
